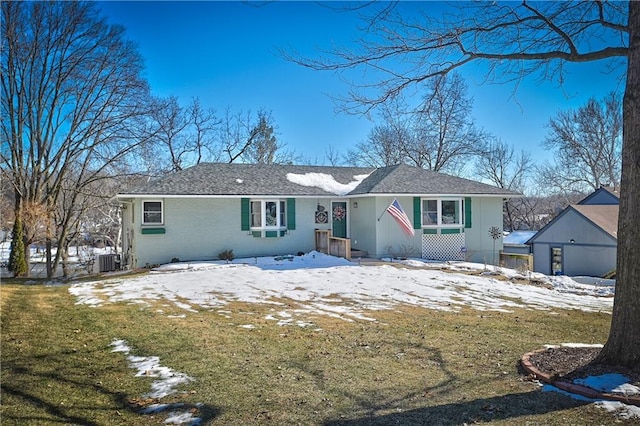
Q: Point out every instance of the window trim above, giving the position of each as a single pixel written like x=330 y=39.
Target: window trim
x=280 y=214
x=439 y=224
x=144 y=222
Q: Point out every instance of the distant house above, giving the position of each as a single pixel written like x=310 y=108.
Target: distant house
x=257 y=210
x=582 y=239
x=602 y=196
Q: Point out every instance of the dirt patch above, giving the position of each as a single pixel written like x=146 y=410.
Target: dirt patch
x=568 y=363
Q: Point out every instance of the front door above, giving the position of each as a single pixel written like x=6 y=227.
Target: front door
x=339 y=218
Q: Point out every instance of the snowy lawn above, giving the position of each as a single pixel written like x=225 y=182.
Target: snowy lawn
x=306 y=340
x=321 y=284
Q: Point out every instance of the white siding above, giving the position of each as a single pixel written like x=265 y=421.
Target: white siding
x=391 y=238
x=485 y=213
x=363 y=228
x=200 y=228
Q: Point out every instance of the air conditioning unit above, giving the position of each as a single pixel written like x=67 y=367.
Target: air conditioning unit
x=109 y=262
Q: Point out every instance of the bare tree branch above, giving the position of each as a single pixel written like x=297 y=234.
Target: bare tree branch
x=405 y=47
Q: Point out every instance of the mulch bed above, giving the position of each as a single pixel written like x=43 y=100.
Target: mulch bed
x=568 y=363
x=562 y=365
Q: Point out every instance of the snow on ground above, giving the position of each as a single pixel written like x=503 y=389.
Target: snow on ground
x=82 y=260
x=317 y=284
x=327 y=285
x=612 y=383
x=168 y=379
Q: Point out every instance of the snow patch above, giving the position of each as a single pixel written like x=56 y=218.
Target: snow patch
x=325 y=182
x=168 y=380
x=611 y=383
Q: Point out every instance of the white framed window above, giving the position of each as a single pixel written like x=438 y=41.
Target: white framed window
x=268 y=214
x=437 y=212
x=152 y=213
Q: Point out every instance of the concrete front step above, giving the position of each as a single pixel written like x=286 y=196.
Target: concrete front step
x=359 y=253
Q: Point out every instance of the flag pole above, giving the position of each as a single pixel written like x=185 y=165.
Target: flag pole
x=385 y=210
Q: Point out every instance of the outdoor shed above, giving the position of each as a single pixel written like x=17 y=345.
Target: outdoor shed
x=581 y=240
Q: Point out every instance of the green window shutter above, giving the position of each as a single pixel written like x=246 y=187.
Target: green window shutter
x=153 y=231
x=291 y=214
x=417 y=213
x=467 y=212
x=244 y=214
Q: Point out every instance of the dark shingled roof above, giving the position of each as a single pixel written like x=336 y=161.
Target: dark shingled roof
x=244 y=179
x=404 y=179
x=261 y=179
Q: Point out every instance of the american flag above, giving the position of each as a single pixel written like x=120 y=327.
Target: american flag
x=395 y=210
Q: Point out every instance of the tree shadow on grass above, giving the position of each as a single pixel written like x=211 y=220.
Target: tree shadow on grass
x=504 y=407
x=508 y=407
x=41 y=406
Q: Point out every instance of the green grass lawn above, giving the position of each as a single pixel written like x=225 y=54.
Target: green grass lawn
x=411 y=366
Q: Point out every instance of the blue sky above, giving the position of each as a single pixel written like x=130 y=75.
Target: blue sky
x=225 y=53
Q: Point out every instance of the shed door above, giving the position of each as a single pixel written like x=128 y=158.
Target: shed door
x=339 y=218
x=556 y=260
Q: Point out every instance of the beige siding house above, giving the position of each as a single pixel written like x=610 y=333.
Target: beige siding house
x=260 y=210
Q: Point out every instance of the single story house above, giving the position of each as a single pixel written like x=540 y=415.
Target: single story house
x=581 y=240
x=260 y=210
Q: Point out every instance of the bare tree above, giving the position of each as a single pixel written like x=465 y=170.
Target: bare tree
x=438 y=135
x=587 y=146
x=388 y=140
x=446 y=135
x=332 y=156
x=265 y=148
x=252 y=139
x=204 y=123
x=501 y=166
x=72 y=92
x=182 y=136
x=383 y=147
x=185 y=136
x=171 y=138
x=516 y=41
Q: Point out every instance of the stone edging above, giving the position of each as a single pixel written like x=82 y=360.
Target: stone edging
x=572 y=387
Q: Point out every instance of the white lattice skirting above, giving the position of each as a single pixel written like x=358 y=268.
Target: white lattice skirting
x=443 y=246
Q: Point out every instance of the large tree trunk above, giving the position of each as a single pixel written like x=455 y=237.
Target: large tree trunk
x=623 y=345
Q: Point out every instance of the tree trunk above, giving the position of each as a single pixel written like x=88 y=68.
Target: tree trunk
x=47 y=261
x=623 y=345
x=66 y=271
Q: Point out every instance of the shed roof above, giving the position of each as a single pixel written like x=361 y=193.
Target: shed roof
x=603 y=216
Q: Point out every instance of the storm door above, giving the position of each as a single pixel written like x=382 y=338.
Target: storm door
x=339 y=219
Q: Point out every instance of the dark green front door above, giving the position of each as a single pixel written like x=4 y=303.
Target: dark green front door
x=339 y=218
